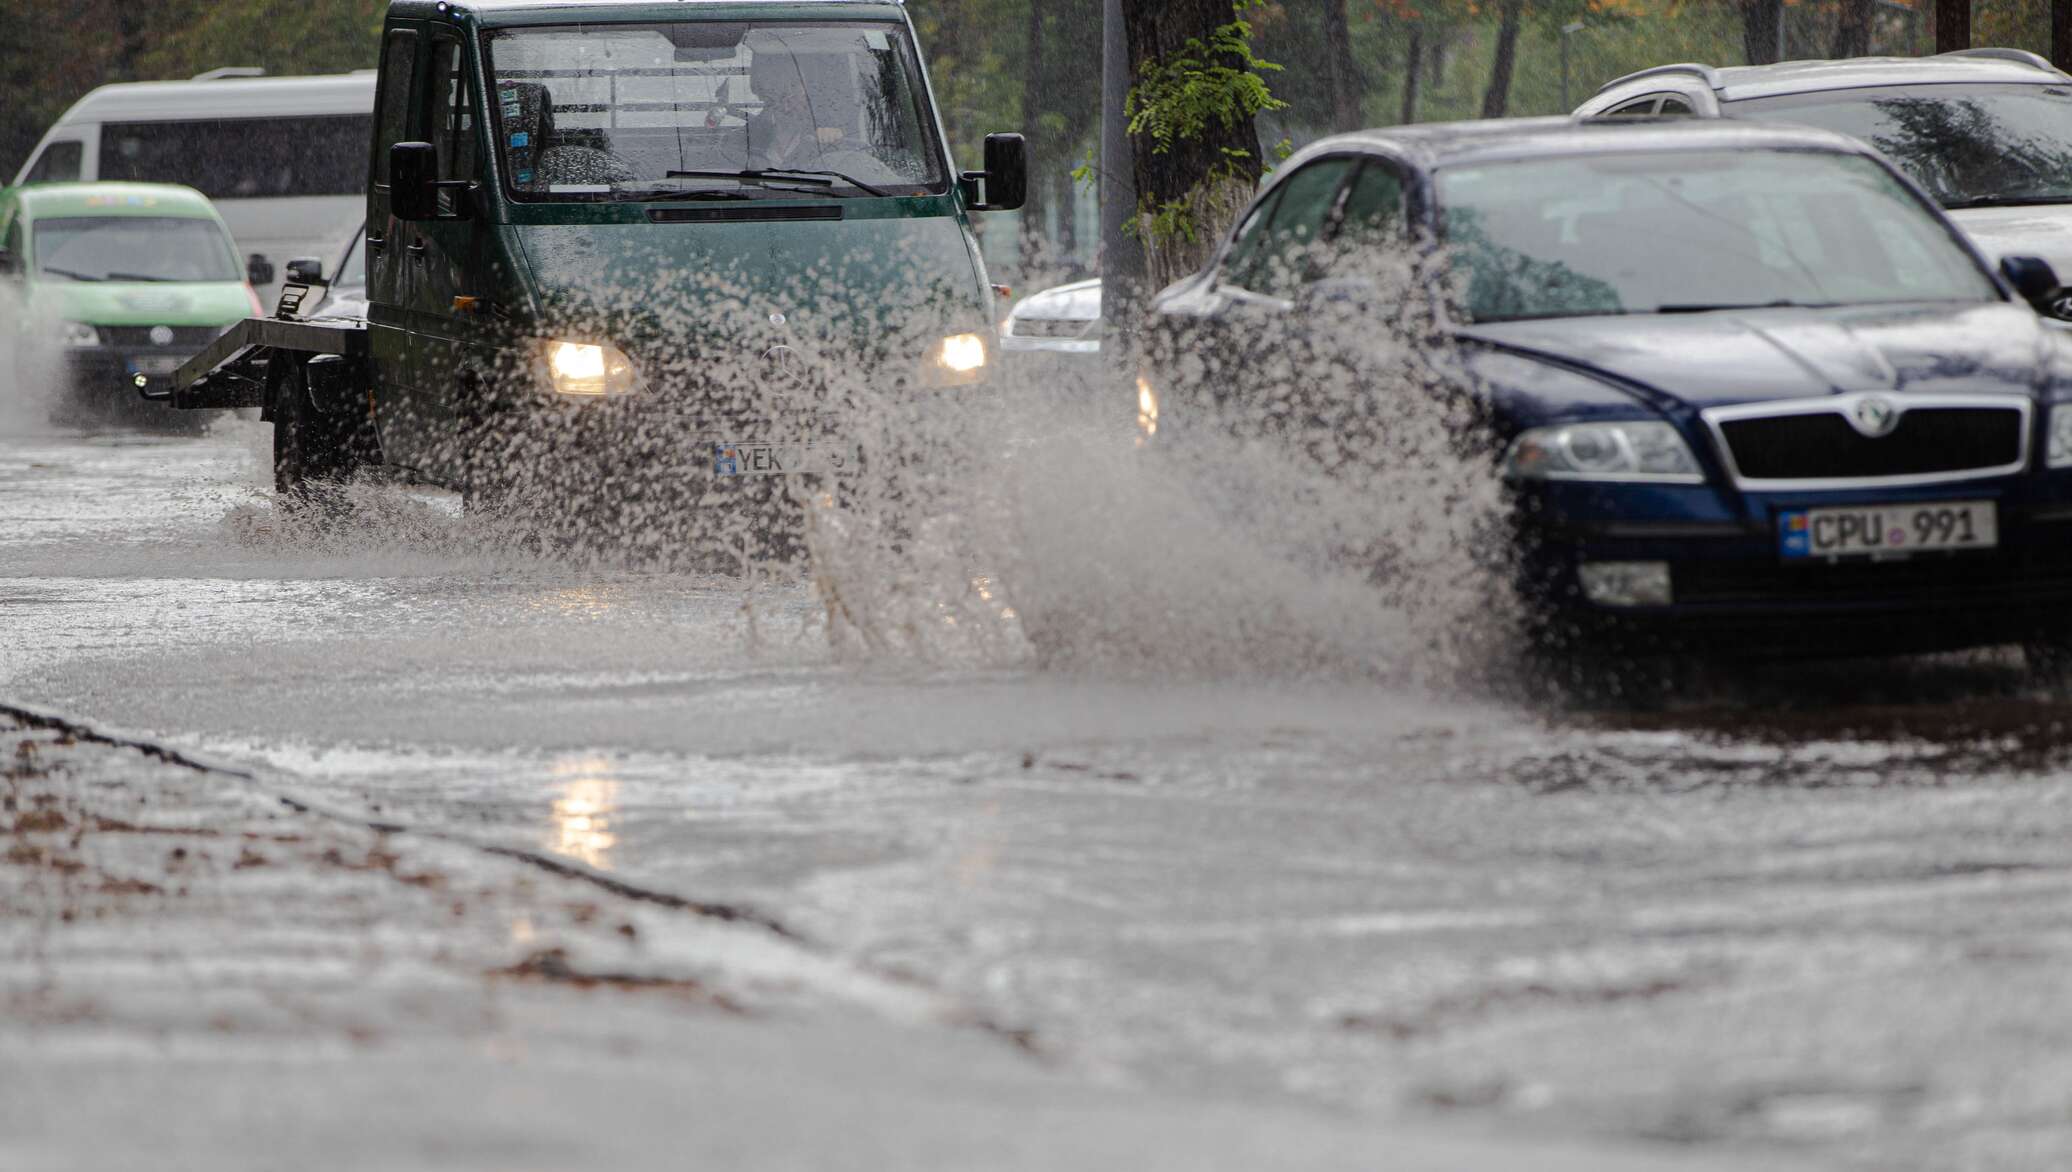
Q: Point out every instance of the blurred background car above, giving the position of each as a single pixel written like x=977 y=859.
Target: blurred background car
x=1987 y=132
x=339 y=291
x=1062 y=320
x=120 y=283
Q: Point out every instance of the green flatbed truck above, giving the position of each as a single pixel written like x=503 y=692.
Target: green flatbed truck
x=601 y=226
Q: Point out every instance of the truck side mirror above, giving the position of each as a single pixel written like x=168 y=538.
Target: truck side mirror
x=259 y=270
x=306 y=270
x=414 y=181
x=1006 y=176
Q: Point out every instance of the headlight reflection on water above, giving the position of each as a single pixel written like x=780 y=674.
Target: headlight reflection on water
x=583 y=810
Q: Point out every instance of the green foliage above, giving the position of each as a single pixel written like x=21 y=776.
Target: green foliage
x=1177 y=97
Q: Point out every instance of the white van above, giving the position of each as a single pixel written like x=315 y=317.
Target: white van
x=283 y=158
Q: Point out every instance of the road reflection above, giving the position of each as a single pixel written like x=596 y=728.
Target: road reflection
x=585 y=805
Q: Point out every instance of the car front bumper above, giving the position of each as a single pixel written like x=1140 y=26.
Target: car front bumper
x=1732 y=594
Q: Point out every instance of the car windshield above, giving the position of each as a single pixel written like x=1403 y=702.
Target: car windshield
x=1689 y=231
x=619 y=111
x=134 y=248
x=1969 y=145
x=352 y=271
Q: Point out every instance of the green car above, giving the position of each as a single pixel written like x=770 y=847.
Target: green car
x=117 y=285
x=636 y=249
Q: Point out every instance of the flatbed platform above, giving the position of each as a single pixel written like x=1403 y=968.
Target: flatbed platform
x=232 y=371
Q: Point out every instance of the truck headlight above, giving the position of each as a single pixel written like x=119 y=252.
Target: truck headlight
x=2061 y=436
x=588 y=370
x=78 y=334
x=1636 y=451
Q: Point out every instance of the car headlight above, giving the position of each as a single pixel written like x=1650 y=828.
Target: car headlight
x=1639 y=451
x=589 y=370
x=958 y=359
x=2061 y=436
x=1147 y=410
x=77 y=333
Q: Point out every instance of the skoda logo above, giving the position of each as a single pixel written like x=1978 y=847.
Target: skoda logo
x=785 y=364
x=1874 y=416
x=161 y=336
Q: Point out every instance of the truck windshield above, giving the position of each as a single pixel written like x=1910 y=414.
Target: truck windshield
x=1693 y=231
x=1969 y=145
x=621 y=111
x=134 y=248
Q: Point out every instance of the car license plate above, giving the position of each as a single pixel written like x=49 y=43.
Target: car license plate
x=779 y=459
x=156 y=363
x=1887 y=530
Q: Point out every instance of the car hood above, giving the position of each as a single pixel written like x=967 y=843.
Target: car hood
x=1712 y=359
x=128 y=303
x=693 y=287
x=1079 y=301
x=2044 y=230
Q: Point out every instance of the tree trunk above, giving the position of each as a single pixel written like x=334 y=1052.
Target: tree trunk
x=129 y=37
x=1498 y=97
x=1341 y=71
x=1413 y=61
x=1853 y=29
x=1207 y=180
x=1761 y=23
x=1952 y=25
x=1032 y=216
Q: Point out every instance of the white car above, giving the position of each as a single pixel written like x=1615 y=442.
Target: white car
x=1064 y=320
x=1987 y=132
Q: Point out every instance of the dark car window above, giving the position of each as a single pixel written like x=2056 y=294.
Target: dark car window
x=1638 y=108
x=1686 y=231
x=242 y=158
x=1288 y=255
x=1969 y=145
x=397 y=69
x=1249 y=242
x=449 y=118
x=1371 y=223
x=60 y=162
x=1674 y=104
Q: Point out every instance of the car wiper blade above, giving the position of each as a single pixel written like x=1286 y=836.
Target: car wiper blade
x=69 y=274
x=144 y=277
x=2007 y=201
x=673 y=191
x=851 y=180
x=818 y=180
x=1780 y=303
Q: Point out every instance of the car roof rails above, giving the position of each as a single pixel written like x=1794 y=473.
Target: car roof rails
x=1707 y=72
x=2018 y=56
x=228 y=72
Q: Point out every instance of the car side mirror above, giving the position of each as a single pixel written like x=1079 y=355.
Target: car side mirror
x=259 y=270
x=306 y=270
x=10 y=264
x=2032 y=278
x=414 y=181
x=1005 y=179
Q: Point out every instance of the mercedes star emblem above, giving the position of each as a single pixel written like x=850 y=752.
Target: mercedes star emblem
x=786 y=364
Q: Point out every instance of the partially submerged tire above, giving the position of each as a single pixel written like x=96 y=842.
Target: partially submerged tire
x=313 y=435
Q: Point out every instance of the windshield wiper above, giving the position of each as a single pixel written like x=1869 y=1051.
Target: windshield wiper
x=814 y=180
x=1780 y=303
x=673 y=191
x=68 y=273
x=2007 y=201
x=146 y=278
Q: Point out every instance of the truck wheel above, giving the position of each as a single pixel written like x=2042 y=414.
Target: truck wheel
x=312 y=446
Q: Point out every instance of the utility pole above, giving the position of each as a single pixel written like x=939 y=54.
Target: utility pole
x=1122 y=256
x=1953 y=25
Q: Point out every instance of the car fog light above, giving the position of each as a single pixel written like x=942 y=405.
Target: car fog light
x=1147 y=410
x=2061 y=436
x=1626 y=583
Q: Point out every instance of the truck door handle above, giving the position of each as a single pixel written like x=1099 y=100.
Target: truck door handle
x=377 y=243
x=417 y=248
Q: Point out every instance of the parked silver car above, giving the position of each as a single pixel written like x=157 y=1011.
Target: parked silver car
x=1063 y=320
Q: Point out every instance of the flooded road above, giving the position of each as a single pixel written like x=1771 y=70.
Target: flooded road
x=1818 y=912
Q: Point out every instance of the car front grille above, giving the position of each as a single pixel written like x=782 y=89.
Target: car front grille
x=138 y=337
x=1049 y=327
x=1797 y=447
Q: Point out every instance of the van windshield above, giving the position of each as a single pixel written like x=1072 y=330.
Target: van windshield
x=622 y=111
x=134 y=248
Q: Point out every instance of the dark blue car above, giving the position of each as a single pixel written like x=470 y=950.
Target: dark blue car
x=1751 y=392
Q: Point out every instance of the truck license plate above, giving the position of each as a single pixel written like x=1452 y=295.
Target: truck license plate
x=779 y=459
x=1887 y=530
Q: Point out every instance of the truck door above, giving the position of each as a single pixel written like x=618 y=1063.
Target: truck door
x=446 y=254
x=389 y=285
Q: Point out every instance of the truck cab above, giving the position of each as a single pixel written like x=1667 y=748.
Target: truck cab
x=642 y=224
